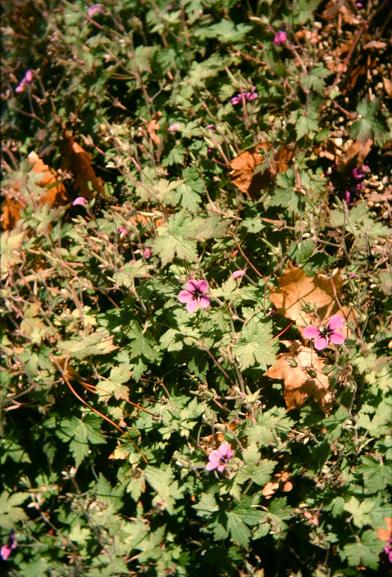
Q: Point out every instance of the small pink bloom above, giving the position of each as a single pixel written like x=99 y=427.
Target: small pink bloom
x=211 y=127
x=219 y=458
x=323 y=335
x=280 y=38
x=6 y=550
x=147 y=253
x=194 y=295
x=238 y=273
x=27 y=79
x=175 y=127
x=236 y=99
x=122 y=230
x=249 y=96
x=80 y=201
x=95 y=9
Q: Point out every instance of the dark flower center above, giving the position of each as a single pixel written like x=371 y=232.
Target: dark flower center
x=325 y=332
x=197 y=293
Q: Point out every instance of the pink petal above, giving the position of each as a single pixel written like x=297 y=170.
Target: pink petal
x=211 y=466
x=222 y=467
x=80 y=201
x=192 y=306
x=225 y=450
x=311 y=332
x=320 y=343
x=190 y=286
x=238 y=274
x=28 y=77
x=204 y=302
x=336 y=322
x=201 y=285
x=5 y=552
x=337 y=338
x=185 y=296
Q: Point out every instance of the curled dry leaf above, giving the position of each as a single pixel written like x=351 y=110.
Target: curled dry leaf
x=301 y=369
x=77 y=161
x=301 y=297
x=152 y=128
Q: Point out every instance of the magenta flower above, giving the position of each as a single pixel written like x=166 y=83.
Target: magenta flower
x=360 y=172
x=27 y=79
x=238 y=273
x=218 y=459
x=280 y=38
x=95 y=9
x=6 y=550
x=80 y=201
x=323 y=335
x=243 y=97
x=194 y=295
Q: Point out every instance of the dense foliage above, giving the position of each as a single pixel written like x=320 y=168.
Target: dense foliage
x=195 y=289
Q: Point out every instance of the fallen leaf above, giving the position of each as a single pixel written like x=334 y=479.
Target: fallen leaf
x=354 y=154
x=10 y=213
x=77 y=161
x=248 y=178
x=301 y=370
x=302 y=298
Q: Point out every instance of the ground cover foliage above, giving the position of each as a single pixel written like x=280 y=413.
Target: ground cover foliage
x=195 y=289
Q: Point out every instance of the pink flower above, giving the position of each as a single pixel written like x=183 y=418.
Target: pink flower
x=218 y=459
x=6 y=550
x=323 y=335
x=95 y=9
x=27 y=79
x=280 y=38
x=80 y=201
x=122 y=230
x=238 y=274
x=360 y=172
x=244 y=96
x=194 y=295
x=175 y=127
x=147 y=253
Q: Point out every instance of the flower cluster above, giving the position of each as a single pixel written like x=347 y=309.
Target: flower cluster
x=219 y=458
x=330 y=333
x=194 y=295
x=27 y=79
x=244 y=97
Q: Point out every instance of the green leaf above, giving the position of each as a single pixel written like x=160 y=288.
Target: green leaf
x=239 y=532
x=255 y=345
x=99 y=342
x=173 y=241
x=10 y=512
x=167 y=489
x=364 y=552
x=360 y=511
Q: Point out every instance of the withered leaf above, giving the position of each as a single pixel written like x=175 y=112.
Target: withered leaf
x=301 y=297
x=77 y=161
x=301 y=370
x=55 y=191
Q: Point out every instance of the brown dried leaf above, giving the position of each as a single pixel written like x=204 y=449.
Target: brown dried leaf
x=152 y=127
x=10 y=213
x=299 y=292
x=242 y=169
x=355 y=154
x=250 y=180
x=301 y=369
x=77 y=161
x=55 y=194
